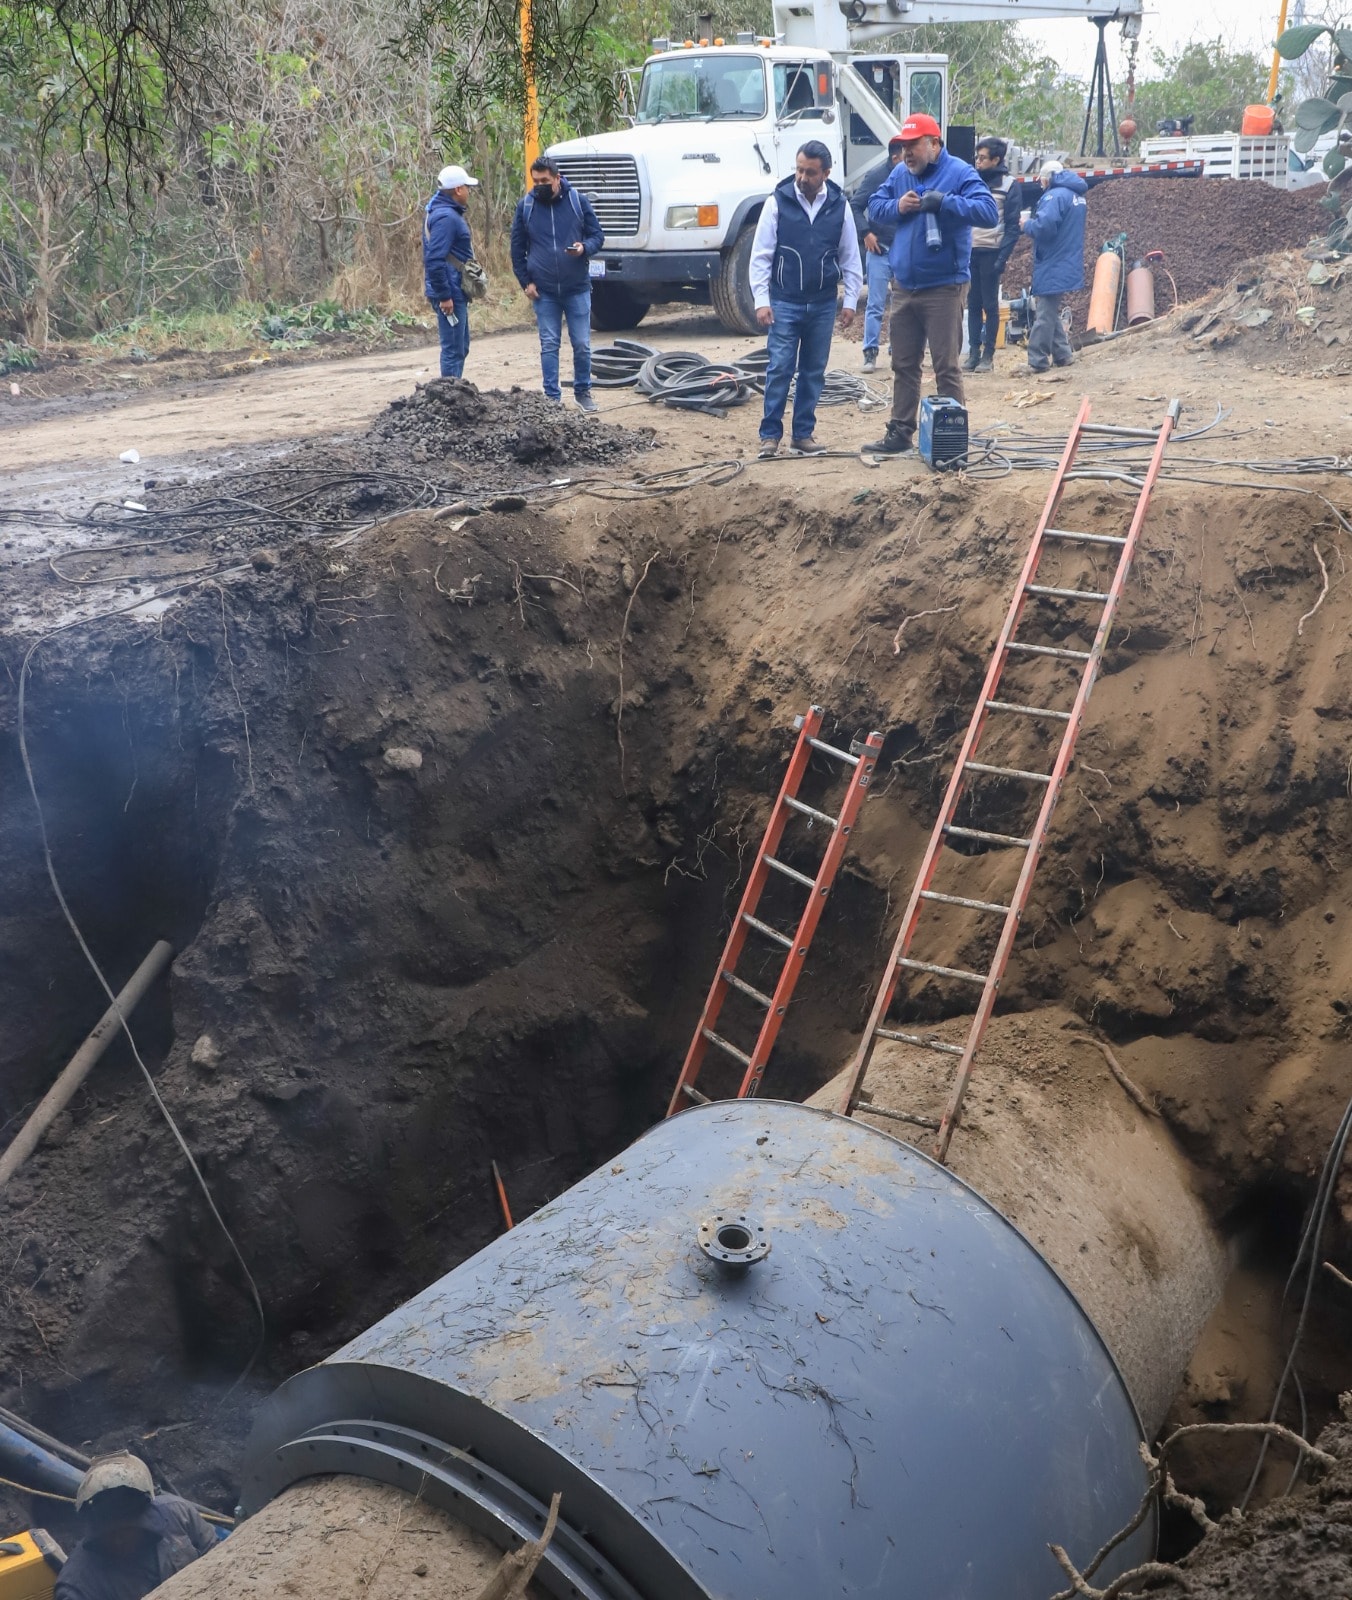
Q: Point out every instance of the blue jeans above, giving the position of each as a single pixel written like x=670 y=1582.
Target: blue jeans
x=454 y=339
x=550 y=311
x=879 y=271
x=800 y=336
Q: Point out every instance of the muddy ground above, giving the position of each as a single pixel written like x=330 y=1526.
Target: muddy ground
x=446 y=823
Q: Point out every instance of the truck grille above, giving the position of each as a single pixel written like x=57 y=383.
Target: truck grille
x=611 y=184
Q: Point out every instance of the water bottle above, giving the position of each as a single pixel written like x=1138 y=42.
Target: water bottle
x=933 y=238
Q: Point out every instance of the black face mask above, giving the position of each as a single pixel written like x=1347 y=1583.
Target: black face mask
x=544 y=192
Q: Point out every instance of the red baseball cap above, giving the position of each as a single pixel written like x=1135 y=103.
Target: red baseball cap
x=919 y=126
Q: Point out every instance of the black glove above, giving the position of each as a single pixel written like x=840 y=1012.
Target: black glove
x=931 y=200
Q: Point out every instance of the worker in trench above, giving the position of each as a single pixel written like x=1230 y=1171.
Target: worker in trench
x=936 y=200
x=134 y=1538
x=805 y=250
x=1057 y=231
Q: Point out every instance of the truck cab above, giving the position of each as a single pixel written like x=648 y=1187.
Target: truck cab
x=716 y=126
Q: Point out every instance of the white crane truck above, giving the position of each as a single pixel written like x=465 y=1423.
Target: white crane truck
x=718 y=123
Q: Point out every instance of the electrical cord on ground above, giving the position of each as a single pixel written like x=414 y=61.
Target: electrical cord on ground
x=107 y=988
x=1307 y=1251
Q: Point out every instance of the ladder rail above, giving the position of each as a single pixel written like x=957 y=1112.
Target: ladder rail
x=751 y=893
x=834 y=854
x=1065 y=754
x=956 y=784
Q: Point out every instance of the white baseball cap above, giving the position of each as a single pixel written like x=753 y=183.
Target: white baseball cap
x=454 y=177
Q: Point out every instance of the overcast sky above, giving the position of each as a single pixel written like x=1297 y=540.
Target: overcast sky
x=1243 y=24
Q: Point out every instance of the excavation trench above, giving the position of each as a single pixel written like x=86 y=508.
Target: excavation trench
x=448 y=827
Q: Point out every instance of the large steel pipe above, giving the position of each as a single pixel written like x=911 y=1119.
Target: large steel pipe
x=768 y=1350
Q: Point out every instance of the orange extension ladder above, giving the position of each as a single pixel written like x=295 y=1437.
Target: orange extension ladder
x=862 y=759
x=1025 y=848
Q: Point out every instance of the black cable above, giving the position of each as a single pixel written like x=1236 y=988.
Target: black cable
x=1309 y=1245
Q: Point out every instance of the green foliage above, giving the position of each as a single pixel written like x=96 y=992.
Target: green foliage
x=1324 y=114
x=1204 y=80
x=16 y=357
x=294 y=327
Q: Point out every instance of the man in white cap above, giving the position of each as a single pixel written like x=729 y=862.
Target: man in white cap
x=1057 y=231
x=446 y=244
x=134 y=1538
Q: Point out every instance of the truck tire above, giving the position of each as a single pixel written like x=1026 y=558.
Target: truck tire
x=614 y=307
x=730 y=291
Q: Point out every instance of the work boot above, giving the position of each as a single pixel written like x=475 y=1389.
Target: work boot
x=768 y=448
x=973 y=356
x=807 y=447
x=585 y=401
x=870 y=361
x=987 y=362
x=895 y=442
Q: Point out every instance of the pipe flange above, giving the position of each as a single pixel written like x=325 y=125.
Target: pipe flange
x=733 y=1240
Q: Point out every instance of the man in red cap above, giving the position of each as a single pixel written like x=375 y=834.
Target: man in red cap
x=936 y=201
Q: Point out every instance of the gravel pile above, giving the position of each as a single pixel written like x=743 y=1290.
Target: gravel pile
x=1206 y=227
x=449 y=420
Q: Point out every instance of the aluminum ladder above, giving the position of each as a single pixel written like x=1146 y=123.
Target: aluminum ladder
x=862 y=760
x=1025 y=847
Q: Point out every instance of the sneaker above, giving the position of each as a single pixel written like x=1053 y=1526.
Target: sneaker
x=585 y=401
x=768 y=448
x=807 y=447
x=895 y=442
x=870 y=361
x=984 y=365
x=973 y=356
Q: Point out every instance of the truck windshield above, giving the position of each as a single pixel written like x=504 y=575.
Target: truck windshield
x=704 y=88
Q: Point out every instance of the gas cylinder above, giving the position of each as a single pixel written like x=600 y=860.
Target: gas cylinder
x=1103 y=295
x=1140 y=293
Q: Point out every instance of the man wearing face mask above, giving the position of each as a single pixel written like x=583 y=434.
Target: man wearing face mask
x=805 y=250
x=937 y=201
x=555 y=234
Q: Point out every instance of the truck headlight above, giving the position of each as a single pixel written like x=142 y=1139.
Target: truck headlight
x=692 y=216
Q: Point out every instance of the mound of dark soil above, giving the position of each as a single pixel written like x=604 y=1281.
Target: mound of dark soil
x=1206 y=227
x=450 y=419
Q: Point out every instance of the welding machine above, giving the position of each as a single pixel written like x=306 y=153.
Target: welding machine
x=942 y=435
x=29 y=1563
x=1020 y=319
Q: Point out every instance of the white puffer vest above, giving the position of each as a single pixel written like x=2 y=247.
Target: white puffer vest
x=993 y=238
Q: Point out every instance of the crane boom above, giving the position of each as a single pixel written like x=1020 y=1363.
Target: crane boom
x=842 y=25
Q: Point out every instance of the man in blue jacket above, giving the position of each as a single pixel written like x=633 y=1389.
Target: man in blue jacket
x=876 y=239
x=446 y=240
x=555 y=234
x=937 y=201
x=1057 y=231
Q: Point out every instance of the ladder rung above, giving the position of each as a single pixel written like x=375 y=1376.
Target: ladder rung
x=745 y=988
x=1007 y=772
x=920 y=1039
x=1067 y=594
x=692 y=1093
x=767 y=930
x=898 y=1116
x=1027 y=711
x=809 y=811
x=1114 y=431
x=1044 y=650
x=958 y=900
x=790 y=872
x=830 y=750
x=1085 y=538
x=990 y=838
x=943 y=972
x=722 y=1043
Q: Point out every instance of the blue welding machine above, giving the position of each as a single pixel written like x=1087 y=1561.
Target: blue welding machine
x=942 y=436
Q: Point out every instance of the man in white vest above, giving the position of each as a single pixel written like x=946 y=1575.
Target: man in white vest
x=991 y=249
